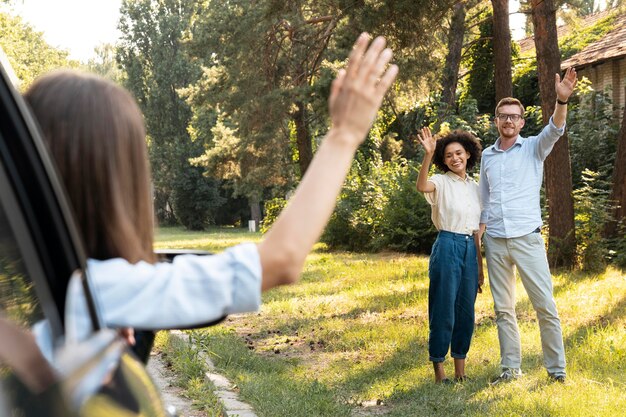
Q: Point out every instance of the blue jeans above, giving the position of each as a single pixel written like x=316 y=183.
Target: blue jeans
x=453 y=273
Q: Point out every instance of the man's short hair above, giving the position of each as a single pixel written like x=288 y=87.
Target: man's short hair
x=509 y=100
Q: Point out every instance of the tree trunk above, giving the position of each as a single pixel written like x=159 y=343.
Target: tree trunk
x=255 y=211
x=618 y=194
x=303 y=139
x=558 y=173
x=502 y=49
x=450 y=76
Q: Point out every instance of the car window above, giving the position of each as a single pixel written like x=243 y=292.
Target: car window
x=18 y=300
x=22 y=322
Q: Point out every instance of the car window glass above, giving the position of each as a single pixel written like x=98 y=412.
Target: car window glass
x=22 y=324
x=18 y=300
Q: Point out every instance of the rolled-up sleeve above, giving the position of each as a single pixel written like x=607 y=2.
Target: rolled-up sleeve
x=190 y=291
x=432 y=198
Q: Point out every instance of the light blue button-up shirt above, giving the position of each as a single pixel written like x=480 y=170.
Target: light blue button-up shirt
x=510 y=181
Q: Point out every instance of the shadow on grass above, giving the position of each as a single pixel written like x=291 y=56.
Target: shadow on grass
x=577 y=336
x=525 y=307
x=367 y=305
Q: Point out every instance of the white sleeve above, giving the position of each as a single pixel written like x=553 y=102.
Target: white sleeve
x=190 y=291
x=433 y=197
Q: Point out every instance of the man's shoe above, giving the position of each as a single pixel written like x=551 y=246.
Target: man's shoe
x=556 y=378
x=507 y=375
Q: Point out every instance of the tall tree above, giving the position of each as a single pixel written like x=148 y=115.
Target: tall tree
x=618 y=193
x=450 y=76
x=27 y=51
x=558 y=173
x=152 y=54
x=480 y=63
x=267 y=72
x=502 y=49
x=105 y=63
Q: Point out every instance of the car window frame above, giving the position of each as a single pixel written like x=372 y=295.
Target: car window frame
x=38 y=208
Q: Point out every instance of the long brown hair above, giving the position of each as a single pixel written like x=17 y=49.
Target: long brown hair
x=95 y=133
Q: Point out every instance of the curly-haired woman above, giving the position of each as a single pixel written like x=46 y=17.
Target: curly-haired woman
x=455 y=268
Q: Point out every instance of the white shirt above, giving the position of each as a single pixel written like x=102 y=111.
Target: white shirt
x=455 y=203
x=190 y=291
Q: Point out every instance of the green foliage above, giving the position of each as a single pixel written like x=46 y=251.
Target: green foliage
x=28 y=52
x=105 y=64
x=262 y=63
x=617 y=247
x=379 y=208
x=579 y=38
x=152 y=53
x=358 y=214
x=533 y=121
x=272 y=209
x=196 y=199
x=526 y=83
x=592 y=131
x=591 y=214
x=17 y=292
x=480 y=62
x=407 y=226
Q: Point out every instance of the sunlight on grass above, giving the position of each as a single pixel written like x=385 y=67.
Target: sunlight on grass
x=351 y=339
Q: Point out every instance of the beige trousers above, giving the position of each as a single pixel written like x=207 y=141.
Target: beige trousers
x=528 y=255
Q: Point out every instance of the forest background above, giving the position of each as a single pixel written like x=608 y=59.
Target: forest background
x=235 y=93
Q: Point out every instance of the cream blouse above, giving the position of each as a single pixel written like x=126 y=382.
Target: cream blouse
x=455 y=203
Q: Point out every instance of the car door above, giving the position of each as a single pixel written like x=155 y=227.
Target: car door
x=40 y=250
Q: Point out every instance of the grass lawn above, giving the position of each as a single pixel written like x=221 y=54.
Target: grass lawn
x=351 y=340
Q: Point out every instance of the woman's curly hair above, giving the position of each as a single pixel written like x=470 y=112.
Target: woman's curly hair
x=468 y=141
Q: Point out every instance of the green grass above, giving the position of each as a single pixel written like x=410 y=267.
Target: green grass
x=189 y=369
x=212 y=240
x=351 y=340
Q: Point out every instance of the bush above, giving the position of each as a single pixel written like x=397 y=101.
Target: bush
x=592 y=132
x=272 y=209
x=618 y=247
x=195 y=199
x=379 y=209
x=407 y=226
x=590 y=203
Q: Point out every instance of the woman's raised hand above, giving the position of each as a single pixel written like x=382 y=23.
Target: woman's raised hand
x=426 y=139
x=357 y=92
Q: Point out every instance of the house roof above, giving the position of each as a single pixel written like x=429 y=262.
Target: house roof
x=611 y=46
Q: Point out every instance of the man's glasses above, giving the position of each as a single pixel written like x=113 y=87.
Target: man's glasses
x=513 y=117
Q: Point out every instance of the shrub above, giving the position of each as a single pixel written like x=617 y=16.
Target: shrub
x=617 y=247
x=272 y=209
x=592 y=132
x=379 y=209
x=407 y=226
x=196 y=199
x=590 y=203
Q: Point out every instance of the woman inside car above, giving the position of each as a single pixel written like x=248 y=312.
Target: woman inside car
x=95 y=133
